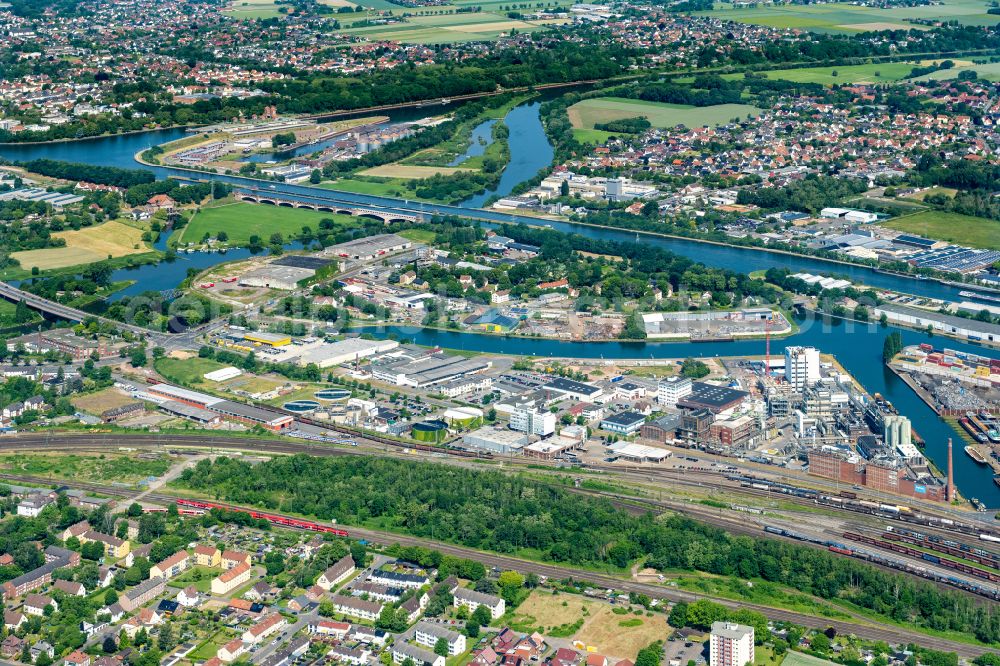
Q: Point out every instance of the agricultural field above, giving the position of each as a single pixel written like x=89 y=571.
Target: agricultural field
x=848 y=18
x=120 y=469
x=95 y=403
x=988 y=70
x=591 y=622
x=86 y=246
x=408 y=172
x=252 y=9
x=876 y=73
x=952 y=227
x=584 y=115
x=243 y=220
x=440 y=28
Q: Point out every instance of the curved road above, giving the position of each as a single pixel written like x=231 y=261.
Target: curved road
x=866 y=628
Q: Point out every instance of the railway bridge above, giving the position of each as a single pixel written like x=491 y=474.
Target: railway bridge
x=272 y=200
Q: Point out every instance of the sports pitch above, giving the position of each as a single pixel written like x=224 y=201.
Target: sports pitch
x=845 y=17
x=410 y=172
x=952 y=227
x=584 y=115
x=86 y=246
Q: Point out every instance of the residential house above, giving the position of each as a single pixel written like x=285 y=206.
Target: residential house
x=402 y=651
x=35 y=604
x=271 y=624
x=366 y=610
x=12 y=620
x=75 y=530
x=207 y=556
x=71 y=588
x=428 y=634
x=232 y=651
x=231 y=579
x=113 y=546
x=189 y=597
x=77 y=658
x=471 y=599
x=170 y=567
x=141 y=594
x=11 y=647
x=329 y=628
x=40 y=648
x=233 y=558
x=337 y=573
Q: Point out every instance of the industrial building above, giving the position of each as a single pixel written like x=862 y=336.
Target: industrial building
x=671 y=389
x=801 y=366
x=232 y=411
x=495 y=440
x=624 y=423
x=575 y=390
x=970 y=329
x=275 y=276
x=345 y=351
x=428 y=371
x=533 y=421
x=366 y=249
x=716 y=399
x=637 y=453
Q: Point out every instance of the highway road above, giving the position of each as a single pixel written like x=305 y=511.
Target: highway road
x=860 y=626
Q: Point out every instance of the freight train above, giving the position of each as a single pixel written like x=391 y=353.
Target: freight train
x=890 y=562
x=848 y=501
x=282 y=521
x=897 y=547
x=948 y=546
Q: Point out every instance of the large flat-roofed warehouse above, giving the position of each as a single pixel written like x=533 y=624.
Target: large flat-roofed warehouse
x=495 y=440
x=250 y=415
x=637 y=452
x=715 y=399
x=970 y=329
x=435 y=369
x=276 y=277
x=575 y=390
x=265 y=339
x=344 y=351
x=364 y=249
x=163 y=392
x=302 y=261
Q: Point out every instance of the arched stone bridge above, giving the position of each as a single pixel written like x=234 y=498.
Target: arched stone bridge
x=270 y=200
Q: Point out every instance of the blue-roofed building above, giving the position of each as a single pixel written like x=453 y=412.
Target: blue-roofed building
x=493 y=320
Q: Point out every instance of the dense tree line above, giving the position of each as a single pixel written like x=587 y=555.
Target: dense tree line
x=182 y=193
x=101 y=175
x=507 y=513
x=811 y=194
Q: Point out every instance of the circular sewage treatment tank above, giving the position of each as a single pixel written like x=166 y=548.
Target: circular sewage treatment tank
x=302 y=406
x=429 y=431
x=332 y=394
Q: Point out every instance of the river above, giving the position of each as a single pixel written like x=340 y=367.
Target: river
x=857 y=347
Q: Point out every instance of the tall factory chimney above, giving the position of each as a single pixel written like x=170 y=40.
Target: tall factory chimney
x=950 y=490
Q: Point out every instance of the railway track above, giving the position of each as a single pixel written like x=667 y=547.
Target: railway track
x=862 y=627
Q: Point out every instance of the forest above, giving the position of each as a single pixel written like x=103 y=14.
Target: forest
x=509 y=513
x=101 y=175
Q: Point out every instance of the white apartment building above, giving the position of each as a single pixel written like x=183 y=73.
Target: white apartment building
x=533 y=421
x=731 y=645
x=801 y=366
x=672 y=389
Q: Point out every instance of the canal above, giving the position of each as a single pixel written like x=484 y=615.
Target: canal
x=857 y=347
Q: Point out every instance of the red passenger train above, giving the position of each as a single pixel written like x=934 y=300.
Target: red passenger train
x=283 y=521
